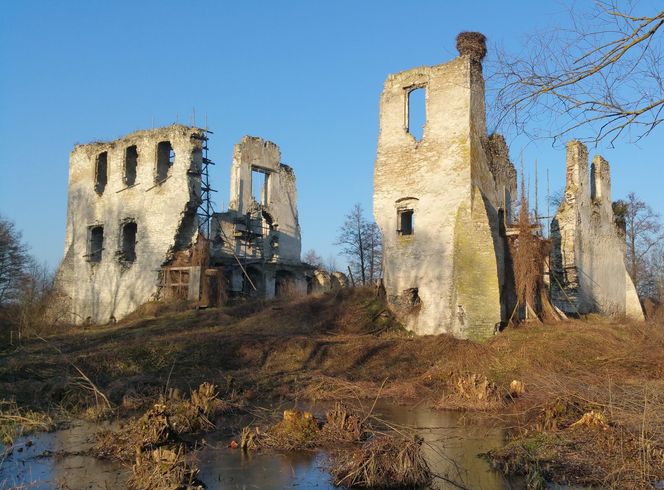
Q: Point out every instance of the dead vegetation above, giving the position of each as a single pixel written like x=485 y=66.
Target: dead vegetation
x=159 y=440
x=589 y=429
x=343 y=346
x=164 y=469
x=362 y=456
x=386 y=461
x=471 y=391
x=298 y=431
x=167 y=422
x=16 y=422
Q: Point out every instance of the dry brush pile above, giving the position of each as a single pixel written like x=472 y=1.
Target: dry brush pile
x=158 y=442
x=361 y=456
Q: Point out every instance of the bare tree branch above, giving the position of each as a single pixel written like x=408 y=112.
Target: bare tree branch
x=602 y=76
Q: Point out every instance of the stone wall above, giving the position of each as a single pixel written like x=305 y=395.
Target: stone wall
x=261 y=230
x=587 y=261
x=445 y=276
x=105 y=285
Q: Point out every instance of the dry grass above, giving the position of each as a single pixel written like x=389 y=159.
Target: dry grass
x=612 y=372
x=164 y=424
x=344 y=346
x=386 y=461
x=298 y=431
x=16 y=422
x=164 y=469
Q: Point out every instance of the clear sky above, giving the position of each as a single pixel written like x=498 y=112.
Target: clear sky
x=304 y=74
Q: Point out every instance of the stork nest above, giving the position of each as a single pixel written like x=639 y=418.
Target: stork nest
x=472 y=44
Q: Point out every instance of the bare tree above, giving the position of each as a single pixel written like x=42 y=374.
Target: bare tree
x=652 y=276
x=313 y=259
x=14 y=261
x=361 y=242
x=374 y=251
x=643 y=233
x=331 y=263
x=35 y=302
x=602 y=75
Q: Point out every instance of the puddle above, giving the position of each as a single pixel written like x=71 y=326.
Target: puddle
x=453 y=441
x=47 y=460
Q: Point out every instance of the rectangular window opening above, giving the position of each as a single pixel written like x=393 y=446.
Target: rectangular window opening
x=417 y=114
x=101 y=172
x=128 y=250
x=259 y=181
x=131 y=162
x=165 y=160
x=95 y=243
x=405 y=222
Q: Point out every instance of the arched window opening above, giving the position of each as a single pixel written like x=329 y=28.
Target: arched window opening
x=131 y=162
x=417 y=114
x=165 y=160
x=95 y=243
x=128 y=242
x=101 y=172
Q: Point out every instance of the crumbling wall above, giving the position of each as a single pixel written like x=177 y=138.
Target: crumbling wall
x=587 y=260
x=443 y=276
x=321 y=281
x=262 y=232
x=281 y=203
x=160 y=194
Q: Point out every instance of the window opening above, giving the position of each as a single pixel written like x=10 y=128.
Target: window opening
x=405 y=217
x=165 y=159
x=259 y=180
x=95 y=243
x=417 y=116
x=128 y=250
x=101 y=172
x=131 y=161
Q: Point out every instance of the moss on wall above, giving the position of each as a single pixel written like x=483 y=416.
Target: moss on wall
x=475 y=271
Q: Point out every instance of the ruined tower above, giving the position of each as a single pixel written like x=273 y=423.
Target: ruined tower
x=587 y=260
x=440 y=201
x=260 y=230
x=131 y=206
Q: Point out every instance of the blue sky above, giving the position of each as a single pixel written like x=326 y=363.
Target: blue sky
x=304 y=74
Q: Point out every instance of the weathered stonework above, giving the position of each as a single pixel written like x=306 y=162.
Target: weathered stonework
x=587 y=260
x=133 y=226
x=108 y=282
x=440 y=203
x=260 y=231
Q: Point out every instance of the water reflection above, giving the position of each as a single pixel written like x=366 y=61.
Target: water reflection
x=452 y=443
x=57 y=460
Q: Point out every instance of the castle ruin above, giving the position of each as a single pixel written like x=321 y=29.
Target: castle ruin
x=440 y=202
x=444 y=205
x=135 y=212
x=141 y=227
x=588 y=257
